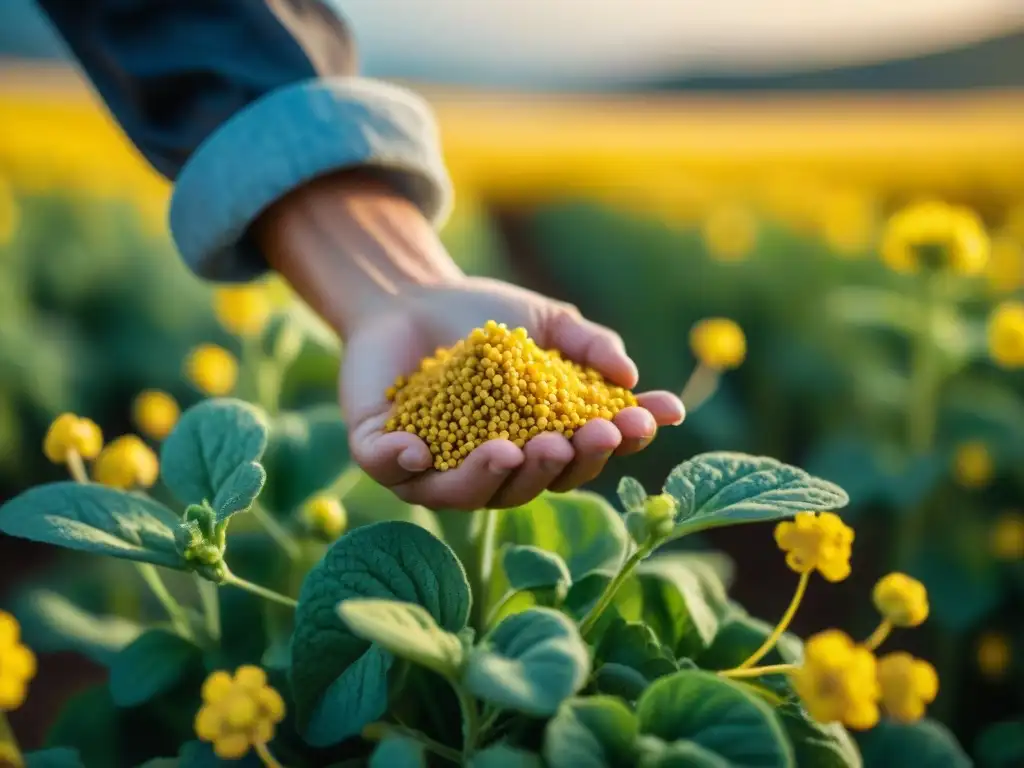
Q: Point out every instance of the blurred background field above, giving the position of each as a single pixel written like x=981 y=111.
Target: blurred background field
x=735 y=189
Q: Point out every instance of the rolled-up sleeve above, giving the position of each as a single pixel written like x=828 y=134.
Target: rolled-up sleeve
x=241 y=101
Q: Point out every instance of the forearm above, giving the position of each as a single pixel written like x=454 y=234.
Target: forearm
x=350 y=245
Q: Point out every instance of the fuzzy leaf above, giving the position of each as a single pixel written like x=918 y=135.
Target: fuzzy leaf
x=398 y=752
x=94 y=518
x=213 y=455
x=631 y=494
x=595 y=732
x=504 y=756
x=718 y=489
x=529 y=567
x=924 y=744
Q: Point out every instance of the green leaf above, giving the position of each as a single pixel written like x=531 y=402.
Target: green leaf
x=333 y=670
x=398 y=752
x=634 y=645
x=88 y=723
x=307 y=451
x=199 y=754
x=924 y=744
x=683 y=754
x=1001 y=745
x=723 y=488
x=739 y=636
x=815 y=744
x=94 y=518
x=504 y=756
x=213 y=455
x=620 y=680
x=529 y=567
x=57 y=757
x=151 y=665
x=531 y=663
x=719 y=716
x=631 y=494
x=405 y=629
x=581 y=527
x=51 y=623
x=595 y=732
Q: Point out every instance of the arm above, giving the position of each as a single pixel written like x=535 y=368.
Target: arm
x=242 y=101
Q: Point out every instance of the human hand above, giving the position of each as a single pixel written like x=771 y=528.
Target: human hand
x=403 y=298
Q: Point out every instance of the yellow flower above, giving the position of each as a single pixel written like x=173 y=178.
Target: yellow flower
x=325 y=516
x=907 y=684
x=1005 y=271
x=10 y=214
x=242 y=309
x=1007 y=536
x=848 y=221
x=972 y=465
x=69 y=432
x=823 y=542
x=17 y=664
x=837 y=681
x=1006 y=334
x=238 y=711
x=994 y=655
x=718 y=343
x=937 y=235
x=213 y=369
x=127 y=462
x=155 y=413
x=903 y=601
x=730 y=232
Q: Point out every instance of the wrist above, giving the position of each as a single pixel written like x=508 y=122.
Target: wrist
x=352 y=247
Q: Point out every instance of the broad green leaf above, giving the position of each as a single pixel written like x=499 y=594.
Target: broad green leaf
x=716 y=489
x=213 y=455
x=391 y=561
x=581 y=527
x=307 y=451
x=398 y=752
x=620 y=680
x=683 y=599
x=405 y=629
x=531 y=663
x=151 y=665
x=717 y=714
x=595 y=732
x=1001 y=745
x=504 y=756
x=94 y=518
x=683 y=754
x=815 y=744
x=51 y=623
x=57 y=757
x=529 y=567
x=631 y=494
x=924 y=744
x=634 y=645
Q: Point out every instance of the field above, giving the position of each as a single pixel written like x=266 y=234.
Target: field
x=869 y=252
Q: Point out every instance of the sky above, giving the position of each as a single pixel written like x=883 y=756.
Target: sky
x=560 y=42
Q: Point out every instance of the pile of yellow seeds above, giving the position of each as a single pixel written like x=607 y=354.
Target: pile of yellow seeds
x=497 y=384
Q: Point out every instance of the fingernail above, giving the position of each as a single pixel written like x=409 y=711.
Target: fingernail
x=409 y=460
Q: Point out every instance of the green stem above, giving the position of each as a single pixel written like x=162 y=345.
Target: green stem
x=179 y=619
x=771 y=669
x=488 y=722
x=782 y=626
x=699 y=388
x=922 y=410
x=269 y=761
x=471 y=719
x=276 y=531
x=256 y=589
x=484 y=564
x=9 y=751
x=211 y=606
x=377 y=731
x=493 y=613
x=587 y=625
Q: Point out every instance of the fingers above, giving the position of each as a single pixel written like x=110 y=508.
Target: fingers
x=389 y=458
x=639 y=425
x=547 y=456
x=591 y=344
x=666 y=407
x=594 y=444
x=471 y=486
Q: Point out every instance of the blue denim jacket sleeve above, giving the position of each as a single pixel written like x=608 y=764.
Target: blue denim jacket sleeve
x=239 y=102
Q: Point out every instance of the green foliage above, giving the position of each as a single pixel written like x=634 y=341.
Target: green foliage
x=528 y=567
x=97 y=519
x=213 y=455
x=927 y=744
x=150 y=665
x=1001 y=745
x=398 y=752
x=57 y=757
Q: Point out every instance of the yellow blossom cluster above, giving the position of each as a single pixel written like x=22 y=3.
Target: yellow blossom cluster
x=1007 y=536
x=155 y=413
x=497 y=384
x=718 y=343
x=242 y=309
x=903 y=601
x=973 y=466
x=212 y=369
x=17 y=664
x=239 y=712
x=70 y=434
x=126 y=462
x=935 y=235
x=1006 y=334
x=816 y=542
x=325 y=517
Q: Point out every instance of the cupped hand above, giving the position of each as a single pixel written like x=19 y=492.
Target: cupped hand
x=394 y=339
